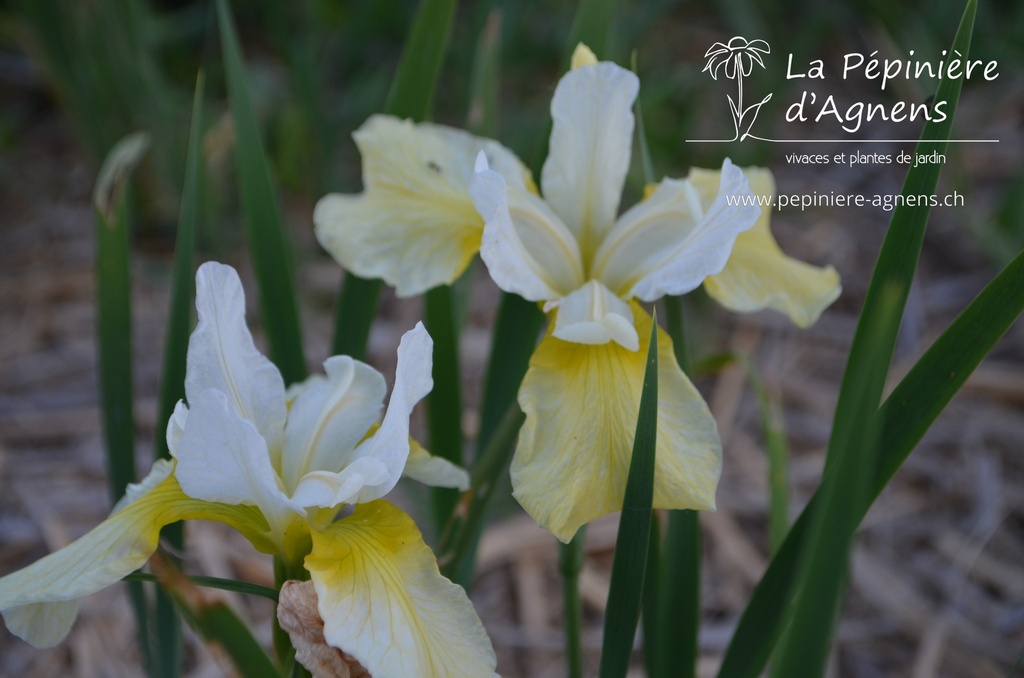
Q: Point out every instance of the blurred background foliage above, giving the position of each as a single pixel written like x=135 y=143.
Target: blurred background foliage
x=319 y=68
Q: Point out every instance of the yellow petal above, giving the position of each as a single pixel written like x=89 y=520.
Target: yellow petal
x=39 y=602
x=384 y=602
x=581 y=404
x=759 y=274
x=425 y=468
x=414 y=225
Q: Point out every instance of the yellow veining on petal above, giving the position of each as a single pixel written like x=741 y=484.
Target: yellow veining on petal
x=758 y=273
x=581 y=404
x=113 y=549
x=384 y=602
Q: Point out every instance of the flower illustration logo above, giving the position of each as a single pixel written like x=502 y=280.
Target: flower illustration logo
x=736 y=60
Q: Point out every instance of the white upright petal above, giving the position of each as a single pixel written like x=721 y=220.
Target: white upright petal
x=390 y=444
x=222 y=356
x=666 y=245
x=593 y=315
x=222 y=458
x=527 y=249
x=329 y=417
x=588 y=156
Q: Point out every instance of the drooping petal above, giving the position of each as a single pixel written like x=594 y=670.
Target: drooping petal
x=222 y=458
x=526 y=247
x=593 y=315
x=581 y=404
x=329 y=417
x=589 y=151
x=40 y=602
x=667 y=244
x=383 y=601
x=222 y=356
x=758 y=274
x=414 y=225
x=425 y=468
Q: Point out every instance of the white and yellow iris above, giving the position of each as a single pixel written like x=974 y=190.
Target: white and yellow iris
x=589 y=265
x=280 y=466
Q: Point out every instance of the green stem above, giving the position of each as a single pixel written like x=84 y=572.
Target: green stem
x=570 y=564
x=213 y=583
x=283 y=648
x=457 y=548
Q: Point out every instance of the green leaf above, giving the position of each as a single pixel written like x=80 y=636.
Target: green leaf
x=592 y=25
x=570 y=565
x=482 y=118
x=114 y=334
x=444 y=403
x=232 y=585
x=844 y=488
x=264 y=226
x=411 y=94
x=778 y=456
x=214 y=622
x=762 y=621
x=515 y=336
x=673 y=647
x=912 y=407
x=903 y=419
x=168 y=642
x=625 y=593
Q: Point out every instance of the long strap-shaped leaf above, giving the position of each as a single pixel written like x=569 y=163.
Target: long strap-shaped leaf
x=167 y=649
x=762 y=621
x=903 y=419
x=410 y=96
x=264 y=225
x=823 y=563
x=625 y=592
x=114 y=333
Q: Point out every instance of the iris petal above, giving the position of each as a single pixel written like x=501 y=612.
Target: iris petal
x=669 y=243
x=425 y=468
x=526 y=247
x=589 y=151
x=759 y=274
x=222 y=356
x=593 y=315
x=581 y=404
x=329 y=417
x=384 y=602
x=39 y=602
x=222 y=458
x=414 y=225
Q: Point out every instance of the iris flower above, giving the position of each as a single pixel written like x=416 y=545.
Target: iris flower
x=589 y=266
x=301 y=474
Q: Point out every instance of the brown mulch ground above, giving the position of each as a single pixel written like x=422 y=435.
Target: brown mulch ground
x=936 y=584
